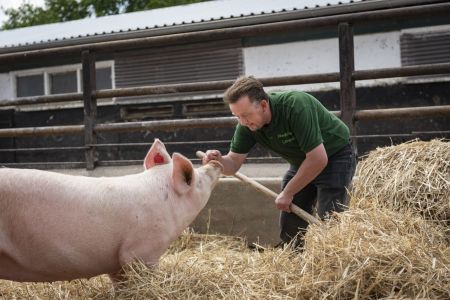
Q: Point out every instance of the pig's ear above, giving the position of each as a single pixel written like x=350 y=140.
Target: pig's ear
x=182 y=173
x=157 y=155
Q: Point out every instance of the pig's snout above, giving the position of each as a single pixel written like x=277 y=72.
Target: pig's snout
x=213 y=169
x=216 y=164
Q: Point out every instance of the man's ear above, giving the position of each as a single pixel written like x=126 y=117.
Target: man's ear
x=183 y=174
x=157 y=155
x=264 y=104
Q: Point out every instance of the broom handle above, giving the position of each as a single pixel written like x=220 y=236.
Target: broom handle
x=294 y=208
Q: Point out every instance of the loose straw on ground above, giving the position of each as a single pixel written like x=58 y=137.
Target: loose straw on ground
x=360 y=254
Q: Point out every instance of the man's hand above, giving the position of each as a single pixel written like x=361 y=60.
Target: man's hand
x=212 y=155
x=283 y=201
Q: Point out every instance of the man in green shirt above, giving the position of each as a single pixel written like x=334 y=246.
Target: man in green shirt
x=300 y=129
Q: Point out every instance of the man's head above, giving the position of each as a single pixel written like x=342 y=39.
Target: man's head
x=249 y=102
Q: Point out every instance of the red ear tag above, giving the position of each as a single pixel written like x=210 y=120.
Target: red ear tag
x=158 y=159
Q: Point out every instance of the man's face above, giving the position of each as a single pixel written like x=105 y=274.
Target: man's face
x=249 y=114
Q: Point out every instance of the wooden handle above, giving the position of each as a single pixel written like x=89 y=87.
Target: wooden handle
x=294 y=208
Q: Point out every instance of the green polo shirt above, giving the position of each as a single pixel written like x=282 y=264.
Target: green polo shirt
x=299 y=124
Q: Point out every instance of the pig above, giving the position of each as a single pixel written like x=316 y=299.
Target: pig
x=61 y=227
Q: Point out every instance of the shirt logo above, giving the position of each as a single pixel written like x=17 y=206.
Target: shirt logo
x=286 y=137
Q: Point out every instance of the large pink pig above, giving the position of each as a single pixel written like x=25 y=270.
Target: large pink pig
x=62 y=227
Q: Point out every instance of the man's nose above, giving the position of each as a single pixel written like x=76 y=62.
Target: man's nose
x=243 y=121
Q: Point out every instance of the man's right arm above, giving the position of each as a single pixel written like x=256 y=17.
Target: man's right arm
x=231 y=162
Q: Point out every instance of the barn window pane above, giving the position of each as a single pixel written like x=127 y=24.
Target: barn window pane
x=31 y=85
x=61 y=83
x=103 y=78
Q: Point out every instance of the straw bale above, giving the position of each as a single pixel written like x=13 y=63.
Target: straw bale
x=413 y=176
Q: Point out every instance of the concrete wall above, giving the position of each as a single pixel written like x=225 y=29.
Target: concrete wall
x=236 y=208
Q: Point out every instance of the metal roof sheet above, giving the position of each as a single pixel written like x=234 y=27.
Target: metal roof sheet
x=182 y=15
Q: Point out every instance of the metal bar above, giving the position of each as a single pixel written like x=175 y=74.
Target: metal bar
x=90 y=106
x=429 y=69
x=41 y=131
x=371 y=114
x=168 y=124
x=347 y=66
x=359 y=136
x=236 y=32
x=46 y=165
x=42 y=99
x=173 y=88
x=412 y=134
x=42 y=149
x=406 y=112
x=214 y=85
x=431 y=132
x=165 y=143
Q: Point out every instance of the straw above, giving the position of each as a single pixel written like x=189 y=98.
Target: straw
x=413 y=176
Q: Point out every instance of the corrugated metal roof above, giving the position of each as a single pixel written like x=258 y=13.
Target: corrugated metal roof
x=202 y=12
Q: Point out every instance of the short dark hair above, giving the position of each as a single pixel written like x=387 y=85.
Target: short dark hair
x=245 y=86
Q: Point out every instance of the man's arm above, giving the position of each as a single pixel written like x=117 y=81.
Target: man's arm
x=231 y=162
x=315 y=161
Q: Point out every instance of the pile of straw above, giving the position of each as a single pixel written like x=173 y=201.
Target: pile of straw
x=412 y=176
x=376 y=253
x=357 y=254
x=216 y=267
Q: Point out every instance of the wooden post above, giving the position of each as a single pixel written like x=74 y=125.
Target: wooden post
x=346 y=68
x=90 y=106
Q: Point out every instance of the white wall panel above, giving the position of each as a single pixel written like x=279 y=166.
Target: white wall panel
x=372 y=51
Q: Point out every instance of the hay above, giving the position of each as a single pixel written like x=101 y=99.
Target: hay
x=361 y=254
x=357 y=254
x=376 y=253
x=95 y=288
x=413 y=176
x=216 y=267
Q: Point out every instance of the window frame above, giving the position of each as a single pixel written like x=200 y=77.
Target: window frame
x=47 y=71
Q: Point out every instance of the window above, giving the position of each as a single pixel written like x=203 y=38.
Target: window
x=59 y=80
x=103 y=78
x=31 y=85
x=61 y=83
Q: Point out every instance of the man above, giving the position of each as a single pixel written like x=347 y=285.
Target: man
x=300 y=129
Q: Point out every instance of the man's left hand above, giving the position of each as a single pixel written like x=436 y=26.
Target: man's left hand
x=283 y=201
